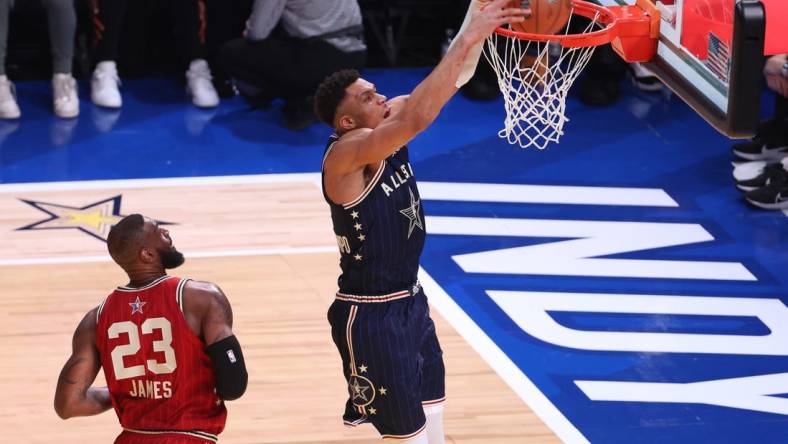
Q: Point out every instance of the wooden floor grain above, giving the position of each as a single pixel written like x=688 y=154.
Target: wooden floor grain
x=296 y=392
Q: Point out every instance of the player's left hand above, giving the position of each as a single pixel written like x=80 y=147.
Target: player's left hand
x=776 y=72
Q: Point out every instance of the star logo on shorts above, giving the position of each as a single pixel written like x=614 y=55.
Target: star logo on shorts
x=361 y=390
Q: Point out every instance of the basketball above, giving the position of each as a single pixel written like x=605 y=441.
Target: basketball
x=547 y=16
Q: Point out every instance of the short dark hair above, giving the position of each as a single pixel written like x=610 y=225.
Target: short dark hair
x=331 y=92
x=125 y=237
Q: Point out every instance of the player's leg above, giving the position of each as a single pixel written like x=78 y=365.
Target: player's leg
x=341 y=317
x=421 y=438
x=433 y=376
x=380 y=346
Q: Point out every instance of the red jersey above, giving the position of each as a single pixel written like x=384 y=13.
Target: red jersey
x=159 y=376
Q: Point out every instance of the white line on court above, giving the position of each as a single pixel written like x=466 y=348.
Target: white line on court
x=188 y=254
x=547 y=194
x=497 y=359
x=163 y=182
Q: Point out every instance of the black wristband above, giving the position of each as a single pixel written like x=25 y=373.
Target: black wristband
x=229 y=367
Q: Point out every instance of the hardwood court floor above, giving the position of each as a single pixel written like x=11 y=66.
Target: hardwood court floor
x=296 y=391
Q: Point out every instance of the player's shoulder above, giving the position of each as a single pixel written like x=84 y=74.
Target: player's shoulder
x=201 y=295
x=201 y=289
x=343 y=151
x=351 y=138
x=88 y=323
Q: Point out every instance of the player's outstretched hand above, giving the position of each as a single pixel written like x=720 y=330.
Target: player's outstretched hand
x=491 y=14
x=776 y=72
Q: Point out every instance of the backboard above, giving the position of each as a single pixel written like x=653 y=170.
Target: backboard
x=710 y=53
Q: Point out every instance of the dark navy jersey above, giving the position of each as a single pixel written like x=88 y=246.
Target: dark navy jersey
x=381 y=232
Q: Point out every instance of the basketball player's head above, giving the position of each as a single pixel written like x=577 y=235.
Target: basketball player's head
x=138 y=243
x=345 y=101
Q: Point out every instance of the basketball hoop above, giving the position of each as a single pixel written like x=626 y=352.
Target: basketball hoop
x=536 y=71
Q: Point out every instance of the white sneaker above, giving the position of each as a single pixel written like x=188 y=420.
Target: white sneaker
x=644 y=79
x=104 y=85
x=8 y=107
x=64 y=96
x=199 y=85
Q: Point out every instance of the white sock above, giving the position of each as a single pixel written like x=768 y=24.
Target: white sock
x=421 y=438
x=434 y=414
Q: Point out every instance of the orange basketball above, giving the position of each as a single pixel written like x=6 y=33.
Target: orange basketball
x=547 y=16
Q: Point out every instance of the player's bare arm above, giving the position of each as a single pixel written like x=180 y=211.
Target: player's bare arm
x=74 y=395
x=210 y=316
x=368 y=146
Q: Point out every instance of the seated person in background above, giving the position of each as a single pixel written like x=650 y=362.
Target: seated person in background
x=769 y=190
x=314 y=38
x=62 y=22
x=771 y=140
x=189 y=23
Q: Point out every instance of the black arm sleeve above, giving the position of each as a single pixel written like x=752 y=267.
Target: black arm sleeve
x=229 y=368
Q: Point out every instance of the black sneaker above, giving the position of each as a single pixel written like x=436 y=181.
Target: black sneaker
x=772 y=174
x=773 y=197
x=771 y=142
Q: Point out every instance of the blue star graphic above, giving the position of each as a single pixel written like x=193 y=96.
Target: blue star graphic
x=136 y=306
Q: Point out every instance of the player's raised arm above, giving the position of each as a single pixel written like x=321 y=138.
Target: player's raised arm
x=368 y=138
x=74 y=395
x=206 y=304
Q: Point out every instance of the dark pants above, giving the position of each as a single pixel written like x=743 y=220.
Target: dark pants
x=282 y=67
x=189 y=22
x=781 y=108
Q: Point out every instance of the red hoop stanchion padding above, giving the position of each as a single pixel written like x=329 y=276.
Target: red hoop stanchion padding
x=536 y=71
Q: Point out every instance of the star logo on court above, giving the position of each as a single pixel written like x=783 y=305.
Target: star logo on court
x=136 y=306
x=412 y=213
x=94 y=219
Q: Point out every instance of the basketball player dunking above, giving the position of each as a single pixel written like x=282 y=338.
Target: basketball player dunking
x=380 y=319
x=166 y=346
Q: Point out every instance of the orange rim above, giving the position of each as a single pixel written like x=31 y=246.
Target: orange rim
x=603 y=16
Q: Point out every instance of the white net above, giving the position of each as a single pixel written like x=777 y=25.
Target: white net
x=535 y=78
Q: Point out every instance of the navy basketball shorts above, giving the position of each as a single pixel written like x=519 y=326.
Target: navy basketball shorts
x=391 y=360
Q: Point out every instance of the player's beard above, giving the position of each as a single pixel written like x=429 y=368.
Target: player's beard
x=171 y=258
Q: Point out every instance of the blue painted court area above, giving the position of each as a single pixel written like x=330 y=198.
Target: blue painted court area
x=634 y=287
